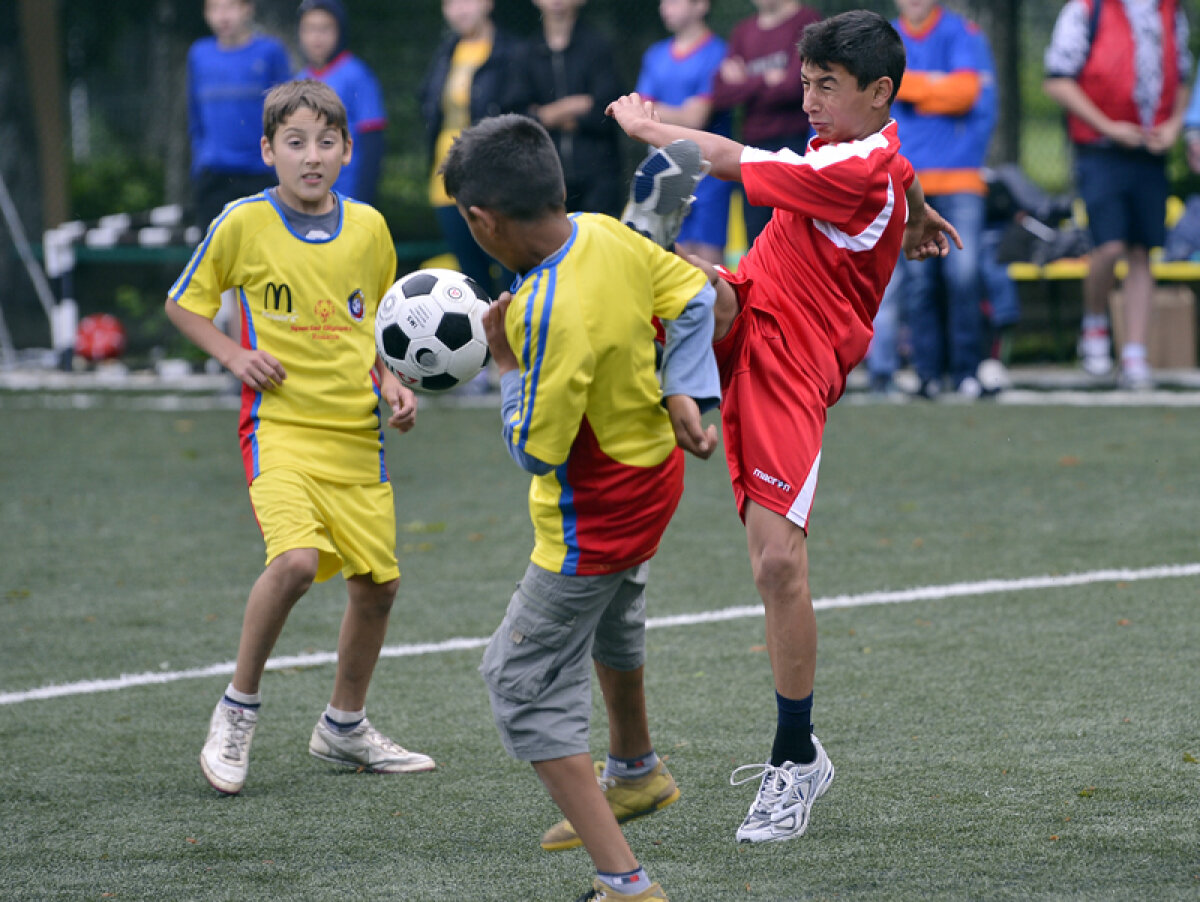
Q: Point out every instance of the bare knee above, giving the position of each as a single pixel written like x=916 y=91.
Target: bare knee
x=296 y=570
x=779 y=572
x=373 y=598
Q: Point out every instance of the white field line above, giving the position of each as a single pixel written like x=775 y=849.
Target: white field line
x=924 y=593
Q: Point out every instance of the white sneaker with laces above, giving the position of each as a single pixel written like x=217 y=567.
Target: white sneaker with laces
x=785 y=797
x=1095 y=352
x=225 y=757
x=663 y=190
x=1136 y=374
x=970 y=389
x=366 y=748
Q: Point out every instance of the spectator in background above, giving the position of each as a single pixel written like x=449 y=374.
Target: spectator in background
x=465 y=82
x=323 y=43
x=1191 y=128
x=1001 y=302
x=761 y=76
x=228 y=76
x=677 y=74
x=945 y=112
x=1120 y=70
x=566 y=81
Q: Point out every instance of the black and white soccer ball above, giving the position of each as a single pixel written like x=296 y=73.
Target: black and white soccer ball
x=429 y=329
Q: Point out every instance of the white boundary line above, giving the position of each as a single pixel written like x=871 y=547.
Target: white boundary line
x=924 y=593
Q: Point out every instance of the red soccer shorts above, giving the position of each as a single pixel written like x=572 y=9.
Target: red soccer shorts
x=773 y=413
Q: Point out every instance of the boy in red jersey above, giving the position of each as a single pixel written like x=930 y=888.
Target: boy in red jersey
x=790 y=326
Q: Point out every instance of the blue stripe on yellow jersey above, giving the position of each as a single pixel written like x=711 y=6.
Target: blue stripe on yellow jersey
x=310 y=303
x=582 y=325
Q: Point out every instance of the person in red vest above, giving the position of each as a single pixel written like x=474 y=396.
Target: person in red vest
x=1120 y=70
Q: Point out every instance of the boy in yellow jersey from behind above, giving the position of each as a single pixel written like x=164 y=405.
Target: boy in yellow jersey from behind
x=583 y=412
x=308 y=267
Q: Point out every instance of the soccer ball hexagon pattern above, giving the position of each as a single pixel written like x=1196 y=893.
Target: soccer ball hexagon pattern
x=429 y=329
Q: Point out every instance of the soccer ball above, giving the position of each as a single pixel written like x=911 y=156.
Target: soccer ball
x=100 y=336
x=429 y=329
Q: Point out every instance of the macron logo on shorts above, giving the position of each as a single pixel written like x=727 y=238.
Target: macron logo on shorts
x=773 y=480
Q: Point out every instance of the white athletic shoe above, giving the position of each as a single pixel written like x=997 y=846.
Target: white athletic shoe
x=1095 y=352
x=785 y=797
x=663 y=190
x=366 y=748
x=1136 y=374
x=225 y=757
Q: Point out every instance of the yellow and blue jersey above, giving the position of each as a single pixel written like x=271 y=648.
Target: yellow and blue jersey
x=582 y=326
x=310 y=303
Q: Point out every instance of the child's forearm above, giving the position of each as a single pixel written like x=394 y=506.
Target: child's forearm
x=201 y=332
x=722 y=153
x=915 y=196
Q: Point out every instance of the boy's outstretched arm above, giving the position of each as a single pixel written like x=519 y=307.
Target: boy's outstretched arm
x=257 y=369
x=927 y=233
x=640 y=122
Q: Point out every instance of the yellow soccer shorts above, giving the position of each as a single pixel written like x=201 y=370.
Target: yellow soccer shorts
x=352 y=527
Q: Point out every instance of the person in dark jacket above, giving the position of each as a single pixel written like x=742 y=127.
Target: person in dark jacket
x=465 y=82
x=568 y=79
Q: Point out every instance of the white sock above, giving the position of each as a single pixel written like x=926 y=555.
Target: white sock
x=344 y=721
x=245 y=699
x=1133 y=351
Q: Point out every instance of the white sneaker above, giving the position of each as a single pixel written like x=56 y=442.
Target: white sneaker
x=1095 y=352
x=993 y=376
x=366 y=748
x=663 y=190
x=1136 y=374
x=225 y=757
x=785 y=797
x=970 y=389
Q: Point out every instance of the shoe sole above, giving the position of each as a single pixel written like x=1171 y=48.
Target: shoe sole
x=575 y=842
x=217 y=783
x=359 y=766
x=821 y=790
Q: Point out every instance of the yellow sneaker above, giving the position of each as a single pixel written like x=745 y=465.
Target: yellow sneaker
x=600 y=891
x=628 y=799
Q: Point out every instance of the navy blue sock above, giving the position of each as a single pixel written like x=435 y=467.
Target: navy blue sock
x=793 y=731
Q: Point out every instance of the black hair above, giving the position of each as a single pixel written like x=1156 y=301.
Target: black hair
x=508 y=164
x=862 y=42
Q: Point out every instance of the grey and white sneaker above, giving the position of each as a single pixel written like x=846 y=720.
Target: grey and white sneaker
x=366 y=748
x=785 y=797
x=663 y=190
x=1095 y=352
x=1136 y=374
x=225 y=757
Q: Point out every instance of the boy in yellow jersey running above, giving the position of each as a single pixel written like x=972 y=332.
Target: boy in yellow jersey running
x=309 y=268
x=584 y=413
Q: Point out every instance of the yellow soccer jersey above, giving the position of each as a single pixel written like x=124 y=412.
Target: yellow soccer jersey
x=582 y=324
x=310 y=304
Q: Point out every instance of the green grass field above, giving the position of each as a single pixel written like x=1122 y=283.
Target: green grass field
x=1031 y=741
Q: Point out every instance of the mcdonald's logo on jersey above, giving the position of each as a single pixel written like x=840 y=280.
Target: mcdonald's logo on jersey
x=274 y=297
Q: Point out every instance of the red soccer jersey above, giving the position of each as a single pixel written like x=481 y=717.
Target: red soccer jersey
x=820 y=266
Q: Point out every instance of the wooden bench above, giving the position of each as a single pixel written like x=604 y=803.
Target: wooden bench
x=1173 y=340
